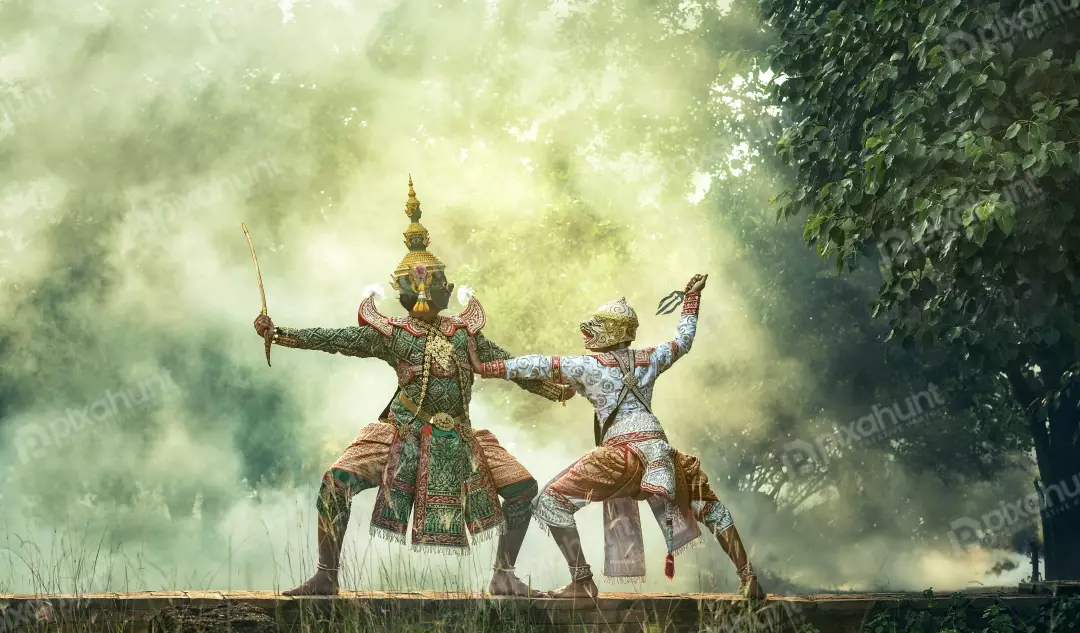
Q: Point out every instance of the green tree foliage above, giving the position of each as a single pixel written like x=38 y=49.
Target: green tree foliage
x=949 y=139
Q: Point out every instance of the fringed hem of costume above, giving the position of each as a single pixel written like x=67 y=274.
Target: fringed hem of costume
x=546 y=527
x=623 y=569
x=387 y=535
x=623 y=580
x=546 y=518
x=434 y=548
x=486 y=535
x=697 y=543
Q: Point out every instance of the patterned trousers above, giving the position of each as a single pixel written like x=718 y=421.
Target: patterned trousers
x=611 y=472
x=361 y=467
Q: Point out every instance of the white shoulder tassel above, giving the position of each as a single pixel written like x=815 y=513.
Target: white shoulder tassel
x=374 y=290
x=465 y=293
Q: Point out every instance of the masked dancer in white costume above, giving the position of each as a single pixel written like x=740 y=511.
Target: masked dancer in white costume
x=633 y=460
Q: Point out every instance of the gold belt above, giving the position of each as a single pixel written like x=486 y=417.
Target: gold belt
x=441 y=421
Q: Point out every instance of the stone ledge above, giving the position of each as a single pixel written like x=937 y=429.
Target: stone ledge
x=627 y=612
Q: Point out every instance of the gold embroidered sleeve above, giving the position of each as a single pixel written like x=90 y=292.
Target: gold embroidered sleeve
x=362 y=342
x=488 y=351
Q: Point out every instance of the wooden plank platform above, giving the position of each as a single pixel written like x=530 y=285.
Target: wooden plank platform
x=611 y=612
x=1052 y=587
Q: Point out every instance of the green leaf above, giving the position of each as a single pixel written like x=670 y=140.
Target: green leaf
x=1024 y=140
x=946 y=138
x=964 y=94
x=1013 y=130
x=1005 y=222
x=1029 y=160
x=837 y=236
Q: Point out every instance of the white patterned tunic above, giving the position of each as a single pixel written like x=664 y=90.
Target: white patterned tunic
x=599 y=378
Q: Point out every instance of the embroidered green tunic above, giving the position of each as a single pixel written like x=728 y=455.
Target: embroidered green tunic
x=439 y=476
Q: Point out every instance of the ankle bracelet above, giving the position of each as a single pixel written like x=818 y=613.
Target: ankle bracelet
x=500 y=568
x=746 y=572
x=322 y=567
x=580 y=573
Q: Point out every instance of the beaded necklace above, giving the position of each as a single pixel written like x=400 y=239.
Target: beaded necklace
x=438 y=349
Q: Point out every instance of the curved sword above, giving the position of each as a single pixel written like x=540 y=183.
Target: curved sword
x=262 y=293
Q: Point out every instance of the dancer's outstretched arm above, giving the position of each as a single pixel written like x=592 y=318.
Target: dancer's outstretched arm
x=364 y=341
x=662 y=357
x=567 y=370
x=488 y=352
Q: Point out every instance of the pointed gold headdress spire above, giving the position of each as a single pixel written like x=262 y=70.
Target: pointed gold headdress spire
x=418 y=264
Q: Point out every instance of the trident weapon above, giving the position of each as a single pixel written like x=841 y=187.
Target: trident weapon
x=671 y=302
x=269 y=336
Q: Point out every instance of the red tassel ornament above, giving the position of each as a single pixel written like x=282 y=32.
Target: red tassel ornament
x=669 y=562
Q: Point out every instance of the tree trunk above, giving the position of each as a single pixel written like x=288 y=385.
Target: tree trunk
x=1061 y=510
x=1054 y=420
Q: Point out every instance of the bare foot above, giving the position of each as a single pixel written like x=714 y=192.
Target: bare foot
x=505 y=583
x=321 y=584
x=577 y=589
x=752 y=590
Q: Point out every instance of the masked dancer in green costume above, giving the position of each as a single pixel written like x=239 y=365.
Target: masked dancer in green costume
x=423 y=454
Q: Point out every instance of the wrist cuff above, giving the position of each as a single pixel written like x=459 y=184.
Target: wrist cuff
x=493 y=369
x=691 y=301
x=285 y=337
